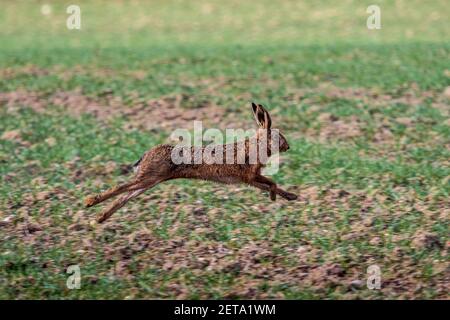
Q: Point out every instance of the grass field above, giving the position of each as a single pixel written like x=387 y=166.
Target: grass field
x=366 y=113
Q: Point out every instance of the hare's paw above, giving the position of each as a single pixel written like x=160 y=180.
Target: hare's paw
x=89 y=201
x=273 y=195
x=290 y=196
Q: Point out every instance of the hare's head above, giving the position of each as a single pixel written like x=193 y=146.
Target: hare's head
x=265 y=130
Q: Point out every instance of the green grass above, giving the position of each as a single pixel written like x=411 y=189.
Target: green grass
x=364 y=111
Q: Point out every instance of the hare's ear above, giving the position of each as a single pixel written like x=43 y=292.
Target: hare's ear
x=262 y=117
x=267 y=118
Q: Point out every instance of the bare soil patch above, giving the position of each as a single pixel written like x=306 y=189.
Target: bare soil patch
x=411 y=95
x=167 y=112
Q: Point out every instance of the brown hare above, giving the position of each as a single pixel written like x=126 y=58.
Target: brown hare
x=157 y=165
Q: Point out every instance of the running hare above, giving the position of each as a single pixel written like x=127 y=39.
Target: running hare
x=157 y=165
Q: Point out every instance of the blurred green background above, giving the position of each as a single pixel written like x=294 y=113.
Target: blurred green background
x=132 y=24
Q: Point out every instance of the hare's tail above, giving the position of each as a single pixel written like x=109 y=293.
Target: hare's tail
x=137 y=163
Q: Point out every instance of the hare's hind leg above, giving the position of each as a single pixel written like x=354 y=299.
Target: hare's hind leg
x=105 y=195
x=114 y=191
x=133 y=192
x=117 y=204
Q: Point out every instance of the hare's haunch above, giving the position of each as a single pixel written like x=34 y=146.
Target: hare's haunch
x=157 y=165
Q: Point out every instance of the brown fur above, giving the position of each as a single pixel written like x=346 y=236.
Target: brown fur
x=156 y=166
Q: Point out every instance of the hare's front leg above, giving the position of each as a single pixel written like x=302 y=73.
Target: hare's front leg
x=266 y=187
x=272 y=186
x=287 y=195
